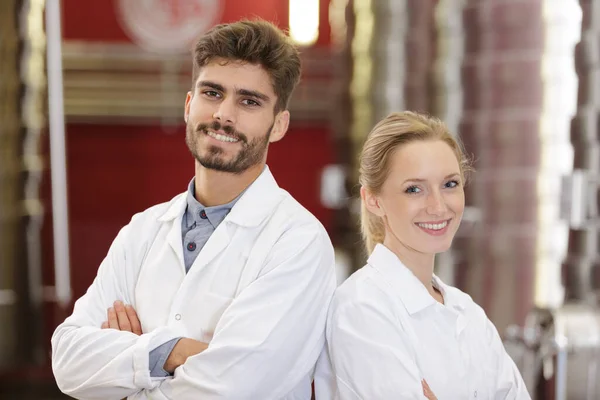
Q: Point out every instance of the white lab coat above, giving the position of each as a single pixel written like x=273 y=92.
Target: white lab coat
x=258 y=293
x=385 y=333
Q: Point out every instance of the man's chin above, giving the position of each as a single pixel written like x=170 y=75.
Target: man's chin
x=218 y=164
x=213 y=156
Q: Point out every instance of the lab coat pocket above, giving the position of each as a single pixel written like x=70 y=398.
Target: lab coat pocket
x=209 y=309
x=480 y=367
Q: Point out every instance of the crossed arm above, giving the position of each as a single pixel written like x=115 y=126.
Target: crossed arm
x=123 y=317
x=264 y=322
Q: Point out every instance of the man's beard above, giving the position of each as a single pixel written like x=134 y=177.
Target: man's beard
x=251 y=153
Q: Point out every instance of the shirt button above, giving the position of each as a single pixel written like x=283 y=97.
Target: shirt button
x=191 y=246
x=203 y=214
x=178 y=317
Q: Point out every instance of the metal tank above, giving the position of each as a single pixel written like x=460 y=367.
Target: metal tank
x=23 y=116
x=10 y=185
x=558 y=352
x=558 y=347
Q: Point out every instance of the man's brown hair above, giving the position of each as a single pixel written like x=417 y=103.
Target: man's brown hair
x=256 y=42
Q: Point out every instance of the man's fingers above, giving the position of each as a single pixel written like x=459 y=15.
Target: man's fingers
x=136 y=327
x=122 y=317
x=113 y=323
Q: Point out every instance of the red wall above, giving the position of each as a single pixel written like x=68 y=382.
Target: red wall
x=97 y=20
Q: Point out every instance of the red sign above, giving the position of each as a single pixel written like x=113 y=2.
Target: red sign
x=167 y=26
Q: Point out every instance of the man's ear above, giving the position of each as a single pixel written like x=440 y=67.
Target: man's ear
x=186 y=110
x=280 y=126
x=372 y=202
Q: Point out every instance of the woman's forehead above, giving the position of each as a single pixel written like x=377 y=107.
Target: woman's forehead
x=424 y=160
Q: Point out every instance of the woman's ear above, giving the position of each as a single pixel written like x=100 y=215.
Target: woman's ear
x=372 y=202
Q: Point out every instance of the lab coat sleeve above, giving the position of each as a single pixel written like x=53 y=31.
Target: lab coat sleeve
x=93 y=363
x=369 y=352
x=271 y=335
x=509 y=384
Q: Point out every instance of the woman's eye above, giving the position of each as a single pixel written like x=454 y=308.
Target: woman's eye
x=452 y=184
x=412 y=190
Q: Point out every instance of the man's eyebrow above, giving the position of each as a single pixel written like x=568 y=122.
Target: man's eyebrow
x=254 y=93
x=212 y=85
x=242 y=92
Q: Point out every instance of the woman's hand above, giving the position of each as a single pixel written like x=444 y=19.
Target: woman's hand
x=427 y=391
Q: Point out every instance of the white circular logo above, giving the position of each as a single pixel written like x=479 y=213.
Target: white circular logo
x=167 y=26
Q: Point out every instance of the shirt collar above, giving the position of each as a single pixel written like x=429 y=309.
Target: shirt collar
x=197 y=214
x=257 y=202
x=407 y=286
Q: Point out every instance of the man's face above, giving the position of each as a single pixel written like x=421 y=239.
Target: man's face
x=230 y=116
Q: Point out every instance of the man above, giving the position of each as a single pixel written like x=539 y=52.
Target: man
x=222 y=292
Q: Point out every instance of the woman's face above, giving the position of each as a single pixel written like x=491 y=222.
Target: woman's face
x=422 y=200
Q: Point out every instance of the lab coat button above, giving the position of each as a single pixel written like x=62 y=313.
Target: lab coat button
x=475 y=394
x=178 y=317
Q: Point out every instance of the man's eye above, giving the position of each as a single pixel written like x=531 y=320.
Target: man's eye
x=250 y=102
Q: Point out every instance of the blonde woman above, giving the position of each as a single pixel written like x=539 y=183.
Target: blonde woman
x=395 y=330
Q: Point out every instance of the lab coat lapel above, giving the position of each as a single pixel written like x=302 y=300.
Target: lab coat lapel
x=250 y=210
x=217 y=242
x=172 y=219
x=174 y=240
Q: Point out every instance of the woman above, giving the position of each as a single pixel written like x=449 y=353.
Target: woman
x=395 y=330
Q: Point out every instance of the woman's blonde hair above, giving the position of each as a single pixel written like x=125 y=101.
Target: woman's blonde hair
x=397 y=129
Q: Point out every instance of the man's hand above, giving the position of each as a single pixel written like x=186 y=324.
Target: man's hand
x=427 y=391
x=184 y=348
x=123 y=318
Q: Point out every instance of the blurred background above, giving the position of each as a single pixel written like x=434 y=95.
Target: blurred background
x=92 y=95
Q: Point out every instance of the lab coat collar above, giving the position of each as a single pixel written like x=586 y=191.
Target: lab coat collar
x=405 y=284
x=412 y=292
x=408 y=287
x=452 y=296
x=455 y=300
x=250 y=210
